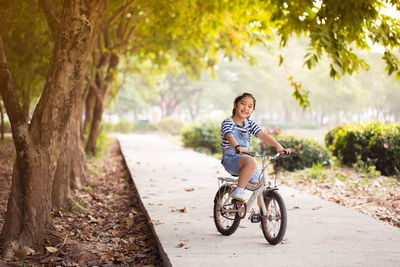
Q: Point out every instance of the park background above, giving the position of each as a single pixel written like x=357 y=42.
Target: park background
x=74 y=71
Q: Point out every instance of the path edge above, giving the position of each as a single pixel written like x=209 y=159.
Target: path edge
x=163 y=254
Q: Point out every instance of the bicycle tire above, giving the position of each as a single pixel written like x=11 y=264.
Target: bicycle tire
x=276 y=212
x=232 y=218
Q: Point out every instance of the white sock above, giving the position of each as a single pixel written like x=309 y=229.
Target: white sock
x=239 y=189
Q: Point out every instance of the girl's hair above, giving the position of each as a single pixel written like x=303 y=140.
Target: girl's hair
x=238 y=98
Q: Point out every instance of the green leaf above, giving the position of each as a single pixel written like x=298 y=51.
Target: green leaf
x=281 y=59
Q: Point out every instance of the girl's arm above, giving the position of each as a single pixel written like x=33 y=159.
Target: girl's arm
x=269 y=139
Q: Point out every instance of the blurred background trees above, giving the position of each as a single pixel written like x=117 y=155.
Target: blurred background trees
x=368 y=95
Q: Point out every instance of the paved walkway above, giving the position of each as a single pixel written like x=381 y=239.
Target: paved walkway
x=319 y=233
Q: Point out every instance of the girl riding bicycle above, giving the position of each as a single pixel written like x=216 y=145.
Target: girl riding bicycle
x=236 y=132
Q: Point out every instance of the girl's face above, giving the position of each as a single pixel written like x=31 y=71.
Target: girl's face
x=245 y=107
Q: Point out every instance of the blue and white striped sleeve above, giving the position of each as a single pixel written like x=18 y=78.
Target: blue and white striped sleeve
x=226 y=127
x=254 y=128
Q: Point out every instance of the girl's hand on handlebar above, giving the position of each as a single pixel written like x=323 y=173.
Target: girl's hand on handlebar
x=240 y=150
x=287 y=151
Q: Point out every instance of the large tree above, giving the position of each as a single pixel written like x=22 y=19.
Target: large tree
x=37 y=144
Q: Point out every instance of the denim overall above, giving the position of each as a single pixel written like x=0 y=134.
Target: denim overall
x=230 y=159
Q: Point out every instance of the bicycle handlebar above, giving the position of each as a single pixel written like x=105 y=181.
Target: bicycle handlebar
x=278 y=155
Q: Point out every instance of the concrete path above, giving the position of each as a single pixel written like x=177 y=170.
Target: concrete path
x=319 y=233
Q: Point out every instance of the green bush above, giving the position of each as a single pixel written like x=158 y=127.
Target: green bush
x=374 y=144
x=309 y=153
x=170 y=125
x=144 y=126
x=102 y=144
x=330 y=136
x=108 y=126
x=124 y=126
x=204 y=137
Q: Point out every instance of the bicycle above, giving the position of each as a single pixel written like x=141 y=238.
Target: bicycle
x=228 y=212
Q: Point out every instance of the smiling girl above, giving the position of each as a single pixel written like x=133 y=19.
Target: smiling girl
x=236 y=132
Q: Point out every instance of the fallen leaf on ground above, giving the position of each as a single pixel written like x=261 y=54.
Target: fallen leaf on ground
x=25 y=251
x=184 y=210
x=189 y=189
x=317 y=208
x=51 y=249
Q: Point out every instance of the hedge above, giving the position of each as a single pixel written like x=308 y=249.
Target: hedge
x=203 y=137
x=309 y=152
x=375 y=144
x=170 y=125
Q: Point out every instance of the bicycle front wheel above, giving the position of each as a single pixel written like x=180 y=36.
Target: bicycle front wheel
x=225 y=217
x=275 y=221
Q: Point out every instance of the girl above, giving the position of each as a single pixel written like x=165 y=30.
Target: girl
x=236 y=132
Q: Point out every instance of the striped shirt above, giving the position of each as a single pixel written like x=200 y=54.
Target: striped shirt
x=229 y=125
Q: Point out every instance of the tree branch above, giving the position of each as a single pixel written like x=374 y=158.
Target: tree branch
x=125 y=41
x=119 y=12
x=93 y=87
x=14 y=110
x=52 y=19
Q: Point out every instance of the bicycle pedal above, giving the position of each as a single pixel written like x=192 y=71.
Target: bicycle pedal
x=235 y=201
x=255 y=218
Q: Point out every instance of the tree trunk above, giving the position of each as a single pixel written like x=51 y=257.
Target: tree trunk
x=95 y=127
x=61 y=185
x=71 y=166
x=38 y=145
x=89 y=109
x=78 y=165
x=1 y=123
x=103 y=86
x=26 y=102
x=82 y=109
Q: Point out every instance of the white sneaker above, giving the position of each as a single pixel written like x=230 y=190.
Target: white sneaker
x=238 y=195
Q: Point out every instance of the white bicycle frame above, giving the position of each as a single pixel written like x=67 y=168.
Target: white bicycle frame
x=262 y=187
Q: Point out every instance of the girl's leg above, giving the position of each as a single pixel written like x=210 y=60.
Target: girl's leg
x=247 y=166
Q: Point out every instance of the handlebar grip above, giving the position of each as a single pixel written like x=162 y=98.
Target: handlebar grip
x=283 y=154
x=253 y=154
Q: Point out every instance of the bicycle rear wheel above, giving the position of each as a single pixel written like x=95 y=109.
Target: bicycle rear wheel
x=275 y=221
x=226 y=220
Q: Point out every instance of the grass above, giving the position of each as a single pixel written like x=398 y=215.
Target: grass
x=95 y=170
x=88 y=189
x=77 y=206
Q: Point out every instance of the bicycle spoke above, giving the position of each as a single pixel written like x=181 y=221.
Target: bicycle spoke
x=273 y=218
x=224 y=214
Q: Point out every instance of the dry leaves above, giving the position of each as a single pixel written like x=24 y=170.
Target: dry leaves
x=378 y=197
x=184 y=210
x=7 y=158
x=111 y=230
